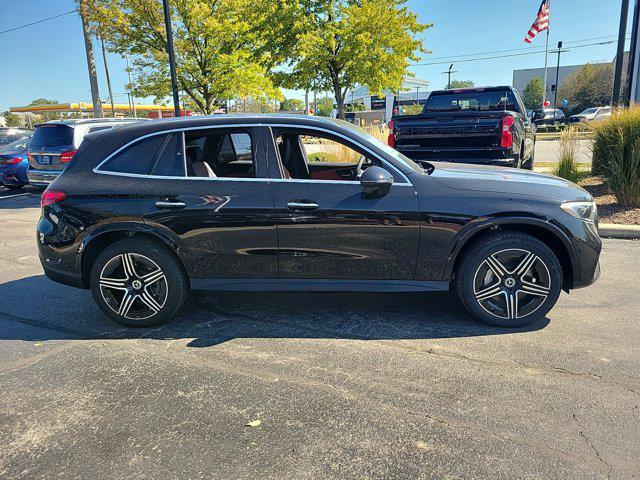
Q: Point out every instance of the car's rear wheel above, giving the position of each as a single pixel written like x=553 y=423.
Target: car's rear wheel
x=509 y=279
x=138 y=283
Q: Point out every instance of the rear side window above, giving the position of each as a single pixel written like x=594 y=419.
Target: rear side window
x=137 y=158
x=51 y=136
x=159 y=155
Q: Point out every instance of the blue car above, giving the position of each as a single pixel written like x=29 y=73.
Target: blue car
x=14 y=164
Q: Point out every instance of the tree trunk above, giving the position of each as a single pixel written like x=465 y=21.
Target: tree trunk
x=339 y=102
x=91 y=64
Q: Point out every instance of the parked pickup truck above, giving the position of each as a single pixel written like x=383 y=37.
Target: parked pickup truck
x=486 y=125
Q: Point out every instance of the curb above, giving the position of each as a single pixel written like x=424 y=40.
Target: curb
x=614 y=230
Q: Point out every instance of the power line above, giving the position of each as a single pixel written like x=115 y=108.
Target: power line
x=537 y=51
x=36 y=22
x=519 y=49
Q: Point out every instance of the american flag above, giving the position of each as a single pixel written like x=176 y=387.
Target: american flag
x=541 y=23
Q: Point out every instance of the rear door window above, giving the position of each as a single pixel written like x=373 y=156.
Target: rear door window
x=51 y=136
x=169 y=161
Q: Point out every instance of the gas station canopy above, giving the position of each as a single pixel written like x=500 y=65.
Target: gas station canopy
x=81 y=107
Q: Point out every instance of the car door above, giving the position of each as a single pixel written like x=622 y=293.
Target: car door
x=225 y=225
x=327 y=229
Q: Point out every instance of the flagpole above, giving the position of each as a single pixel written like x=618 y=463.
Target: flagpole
x=546 y=59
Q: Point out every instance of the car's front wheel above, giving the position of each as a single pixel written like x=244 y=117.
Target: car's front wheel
x=510 y=279
x=138 y=283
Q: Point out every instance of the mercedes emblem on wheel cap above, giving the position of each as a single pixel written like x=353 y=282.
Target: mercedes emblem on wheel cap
x=509 y=282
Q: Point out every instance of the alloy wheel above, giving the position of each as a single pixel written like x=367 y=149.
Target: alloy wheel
x=133 y=286
x=512 y=283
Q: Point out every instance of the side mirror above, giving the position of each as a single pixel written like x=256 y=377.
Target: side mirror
x=376 y=182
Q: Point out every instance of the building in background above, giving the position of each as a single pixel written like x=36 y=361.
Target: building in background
x=522 y=77
x=413 y=92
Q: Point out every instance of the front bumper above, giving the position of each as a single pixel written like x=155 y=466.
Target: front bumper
x=42 y=177
x=587 y=245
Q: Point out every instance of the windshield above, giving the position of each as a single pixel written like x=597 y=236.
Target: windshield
x=392 y=152
x=473 y=100
x=17 y=145
x=589 y=111
x=51 y=136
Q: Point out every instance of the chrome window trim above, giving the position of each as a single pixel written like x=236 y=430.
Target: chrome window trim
x=96 y=169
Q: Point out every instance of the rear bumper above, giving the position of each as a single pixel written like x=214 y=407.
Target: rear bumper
x=13 y=175
x=42 y=177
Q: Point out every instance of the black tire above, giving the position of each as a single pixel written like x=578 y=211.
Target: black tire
x=528 y=163
x=155 y=292
x=493 y=298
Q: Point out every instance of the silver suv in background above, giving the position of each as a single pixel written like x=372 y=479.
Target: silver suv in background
x=54 y=144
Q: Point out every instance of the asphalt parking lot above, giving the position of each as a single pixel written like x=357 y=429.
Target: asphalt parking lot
x=345 y=385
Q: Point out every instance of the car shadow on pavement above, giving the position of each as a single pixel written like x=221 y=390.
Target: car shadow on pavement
x=28 y=197
x=37 y=309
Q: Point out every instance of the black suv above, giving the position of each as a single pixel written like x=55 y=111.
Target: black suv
x=144 y=213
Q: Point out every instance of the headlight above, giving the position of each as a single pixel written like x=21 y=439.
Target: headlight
x=586 y=211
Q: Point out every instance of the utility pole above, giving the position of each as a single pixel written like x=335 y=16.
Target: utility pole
x=172 y=58
x=555 y=98
x=130 y=92
x=448 y=73
x=91 y=64
x=622 y=33
x=106 y=70
x=631 y=87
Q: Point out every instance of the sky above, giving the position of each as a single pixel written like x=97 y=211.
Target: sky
x=48 y=60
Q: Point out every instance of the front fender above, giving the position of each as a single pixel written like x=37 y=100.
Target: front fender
x=483 y=225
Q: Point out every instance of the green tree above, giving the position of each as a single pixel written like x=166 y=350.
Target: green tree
x=220 y=52
x=532 y=95
x=325 y=107
x=291 y=105
x=42 y=117
x=355 y=107
x=342 y=43
x=462 y=83
x=11 y=119
x=589 y=86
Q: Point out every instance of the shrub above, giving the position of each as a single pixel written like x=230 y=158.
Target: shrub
x=567 y=166
x=616 y=154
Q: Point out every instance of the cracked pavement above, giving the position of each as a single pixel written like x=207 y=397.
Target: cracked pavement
x=345 y=385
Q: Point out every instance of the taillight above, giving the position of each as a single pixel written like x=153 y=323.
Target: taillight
x=49 y=197
x=67 y=156
x=10 y=161
x=506 y=140
x=391 y=139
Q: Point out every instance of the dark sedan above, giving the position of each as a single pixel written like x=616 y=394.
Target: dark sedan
x=145 y=213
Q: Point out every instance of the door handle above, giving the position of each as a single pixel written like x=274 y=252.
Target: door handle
x=303 y=206
x=170 y=205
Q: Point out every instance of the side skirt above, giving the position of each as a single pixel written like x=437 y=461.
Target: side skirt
x=313 y=285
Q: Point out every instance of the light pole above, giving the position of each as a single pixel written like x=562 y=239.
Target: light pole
x=172 y=58
x=448 y=73
x=555 y=98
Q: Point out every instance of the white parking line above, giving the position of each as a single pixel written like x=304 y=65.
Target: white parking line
x=16 y=195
